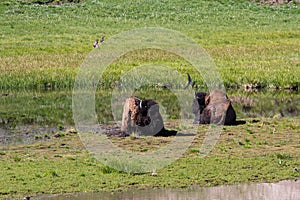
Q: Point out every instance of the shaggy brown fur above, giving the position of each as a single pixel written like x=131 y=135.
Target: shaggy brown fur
x=217 y=109
x=130 y=114
x=143 y=117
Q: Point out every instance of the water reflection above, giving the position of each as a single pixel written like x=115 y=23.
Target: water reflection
x=273 y=104
x=285 y=190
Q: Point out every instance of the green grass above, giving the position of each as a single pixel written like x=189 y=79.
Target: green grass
x=250 y=43
x=43 y=45
x=50 y=167
x=66 y=175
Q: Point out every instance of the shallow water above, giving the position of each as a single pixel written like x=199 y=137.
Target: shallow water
x=284 y=190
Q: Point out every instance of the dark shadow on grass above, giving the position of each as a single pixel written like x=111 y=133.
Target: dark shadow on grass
x=166 y=133
x=239 y=122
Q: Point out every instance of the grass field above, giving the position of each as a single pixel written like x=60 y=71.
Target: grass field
x=250 y=43
x=42 y=45
x=267 y=151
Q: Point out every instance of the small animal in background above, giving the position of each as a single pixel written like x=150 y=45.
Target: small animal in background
x=96 y=44
x=102 y=40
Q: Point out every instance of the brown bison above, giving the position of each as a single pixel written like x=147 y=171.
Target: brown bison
x=213 y=108
x=143 y=117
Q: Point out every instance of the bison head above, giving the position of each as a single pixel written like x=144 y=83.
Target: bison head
x=198 y=105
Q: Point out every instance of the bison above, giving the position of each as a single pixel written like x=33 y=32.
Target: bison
x=143 y=117
x=213 y=108
x=198 y=105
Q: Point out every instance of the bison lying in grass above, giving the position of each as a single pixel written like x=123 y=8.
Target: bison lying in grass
x=143 y=117
x=213 y=108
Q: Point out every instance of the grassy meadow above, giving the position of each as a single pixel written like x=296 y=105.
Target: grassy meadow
x=265 y=151
x=43 y=43
x=250 y=43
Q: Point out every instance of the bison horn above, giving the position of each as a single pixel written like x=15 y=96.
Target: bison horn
x=141 y=104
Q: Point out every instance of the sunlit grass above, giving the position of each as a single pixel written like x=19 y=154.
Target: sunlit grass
x=62 y=165
x=250 y=43
x=42 y=47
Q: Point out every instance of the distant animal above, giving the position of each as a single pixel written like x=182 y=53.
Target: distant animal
x=143 y=118
x=213 y=108
x=96 y=44
x=102 y=40
x=190 y=82
x=4 y=94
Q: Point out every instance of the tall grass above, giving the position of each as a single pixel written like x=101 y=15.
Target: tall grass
x=250 y=43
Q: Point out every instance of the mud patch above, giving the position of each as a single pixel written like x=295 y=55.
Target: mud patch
x=31 y=134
